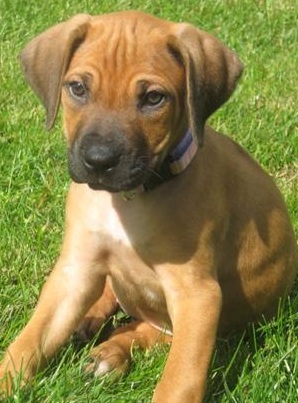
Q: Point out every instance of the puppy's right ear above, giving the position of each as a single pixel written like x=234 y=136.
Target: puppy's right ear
x=212 y=71
x=45 y=60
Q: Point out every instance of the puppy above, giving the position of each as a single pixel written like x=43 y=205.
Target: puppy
x=167 y=217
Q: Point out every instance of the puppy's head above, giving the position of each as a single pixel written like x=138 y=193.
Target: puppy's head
x=130 y=86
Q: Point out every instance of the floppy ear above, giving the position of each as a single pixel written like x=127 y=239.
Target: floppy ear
x=212 y=71
x=46 y=58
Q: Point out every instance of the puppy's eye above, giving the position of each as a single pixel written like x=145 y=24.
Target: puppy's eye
x=154 y=98
x=77 y=90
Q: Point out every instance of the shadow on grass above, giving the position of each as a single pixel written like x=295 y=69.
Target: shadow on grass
x=235 y=354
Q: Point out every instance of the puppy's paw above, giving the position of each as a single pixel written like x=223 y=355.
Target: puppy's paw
x=109 y=357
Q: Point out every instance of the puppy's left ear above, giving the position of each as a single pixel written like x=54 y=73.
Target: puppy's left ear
x=46 y=58
x=212 y=71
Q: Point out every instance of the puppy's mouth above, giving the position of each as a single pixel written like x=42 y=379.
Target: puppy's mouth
x=110 y=166
x=120 y=181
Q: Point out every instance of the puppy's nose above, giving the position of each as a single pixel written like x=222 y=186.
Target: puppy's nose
x=100 y=157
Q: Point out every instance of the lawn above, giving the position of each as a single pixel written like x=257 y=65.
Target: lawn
x=260 y=365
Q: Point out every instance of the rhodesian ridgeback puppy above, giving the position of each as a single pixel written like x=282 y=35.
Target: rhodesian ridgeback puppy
x=173 y=221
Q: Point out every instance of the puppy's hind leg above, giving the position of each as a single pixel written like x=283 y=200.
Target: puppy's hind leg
x=114 y=355
x=96 y=316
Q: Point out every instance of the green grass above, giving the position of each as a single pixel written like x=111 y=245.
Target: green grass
x=258 y=366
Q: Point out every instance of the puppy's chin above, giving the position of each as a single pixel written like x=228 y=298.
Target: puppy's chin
x=113 y=186
x=96 y=186
x=128 y=185
x=109 y=188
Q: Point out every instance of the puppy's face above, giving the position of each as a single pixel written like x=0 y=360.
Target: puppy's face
x=132 y=84
x=123 y=104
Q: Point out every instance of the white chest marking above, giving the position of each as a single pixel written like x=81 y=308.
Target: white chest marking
x=103 y=219
x=114 y=228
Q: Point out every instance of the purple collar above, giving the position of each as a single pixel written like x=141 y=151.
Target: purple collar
x=183 y=154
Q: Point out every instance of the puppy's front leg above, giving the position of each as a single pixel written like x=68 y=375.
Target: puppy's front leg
x=65 y=298
x=194 y=305
x=76 y=282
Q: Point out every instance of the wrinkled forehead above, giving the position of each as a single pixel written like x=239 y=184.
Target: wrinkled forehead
x=124 y=42
x=129 y=27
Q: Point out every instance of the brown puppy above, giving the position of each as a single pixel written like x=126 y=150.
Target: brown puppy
x=187 y=239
